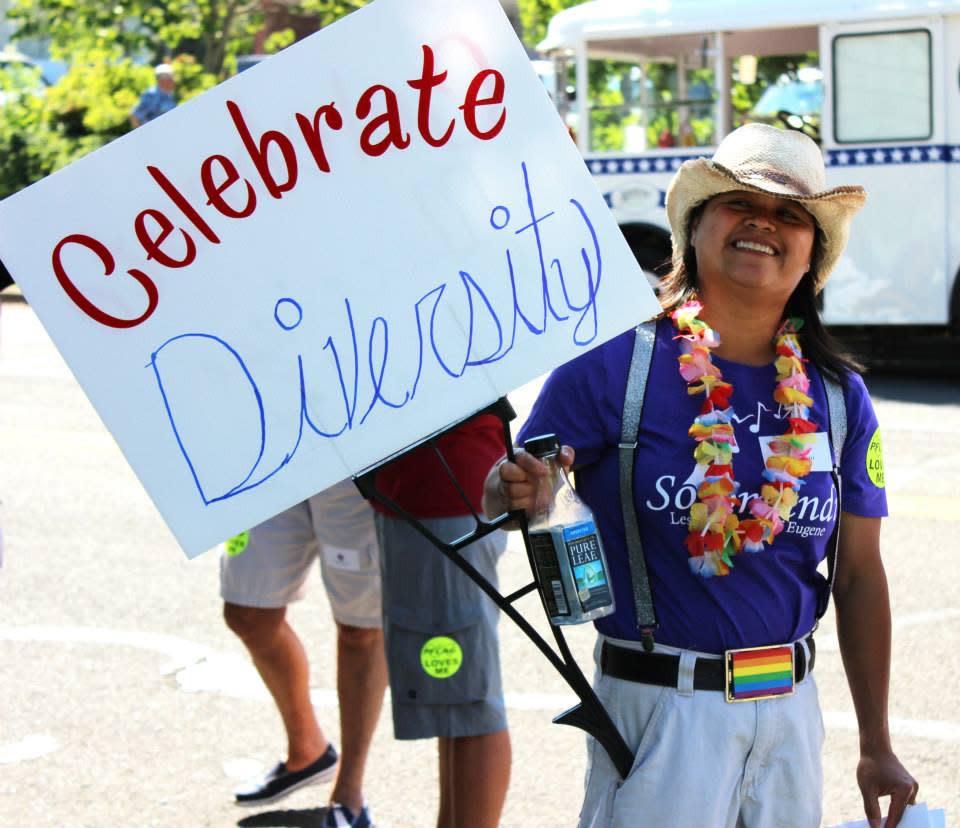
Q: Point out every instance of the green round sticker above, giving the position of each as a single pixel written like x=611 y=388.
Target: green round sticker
x=875 y=460
x=237 y=545
x=441 y=657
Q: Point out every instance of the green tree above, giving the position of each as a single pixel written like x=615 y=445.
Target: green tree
x=87 y=108
x=536 y=14
x=105 y=45
x=329 y=11
x=29 y=145
x=213 y=31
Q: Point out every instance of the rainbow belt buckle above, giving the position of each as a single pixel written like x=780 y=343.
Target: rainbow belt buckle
x=759 y=673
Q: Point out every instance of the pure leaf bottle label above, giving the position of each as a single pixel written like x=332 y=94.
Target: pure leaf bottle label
x=565 y=548
x=583 y=551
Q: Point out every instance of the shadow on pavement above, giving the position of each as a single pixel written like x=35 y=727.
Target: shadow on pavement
x=304 y=818
x=926 y=390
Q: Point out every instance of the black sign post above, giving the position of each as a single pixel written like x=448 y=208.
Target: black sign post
x=589 y=715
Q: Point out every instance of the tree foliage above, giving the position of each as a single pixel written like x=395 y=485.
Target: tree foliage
x=29 y=145
x=212 y=31
x=536 y=14
x=110 y=48
x=87 y=108
x=326 y=12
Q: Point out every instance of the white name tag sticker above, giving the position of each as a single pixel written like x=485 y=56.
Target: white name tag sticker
x=820 y=455
x=340 y=558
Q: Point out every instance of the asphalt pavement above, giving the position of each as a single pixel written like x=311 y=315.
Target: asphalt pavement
x=126 y=703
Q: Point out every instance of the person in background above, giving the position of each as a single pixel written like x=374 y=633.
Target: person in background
x=263 y=571
x=440 y=630
x=732 y=564
x=158 y=99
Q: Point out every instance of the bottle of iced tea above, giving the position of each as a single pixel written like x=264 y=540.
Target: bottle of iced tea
x=571 y=566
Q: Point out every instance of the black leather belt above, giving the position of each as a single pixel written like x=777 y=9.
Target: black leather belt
x=663 y=669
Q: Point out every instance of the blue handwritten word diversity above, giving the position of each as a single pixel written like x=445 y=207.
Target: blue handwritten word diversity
x=531 y=310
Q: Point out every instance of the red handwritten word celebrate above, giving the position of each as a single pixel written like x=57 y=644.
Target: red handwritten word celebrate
x=235 y=197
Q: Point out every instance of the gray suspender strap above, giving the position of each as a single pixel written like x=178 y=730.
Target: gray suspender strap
x=630 y=428
x=838 y=418
x=837 y=409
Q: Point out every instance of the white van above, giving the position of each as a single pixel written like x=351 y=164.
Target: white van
x=886 y=79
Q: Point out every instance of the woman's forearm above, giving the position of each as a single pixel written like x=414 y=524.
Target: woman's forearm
x=863 y=630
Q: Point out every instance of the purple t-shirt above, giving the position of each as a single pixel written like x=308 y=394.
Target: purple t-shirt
x=768 y=597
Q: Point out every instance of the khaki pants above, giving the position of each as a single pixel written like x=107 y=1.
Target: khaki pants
x=704 y=763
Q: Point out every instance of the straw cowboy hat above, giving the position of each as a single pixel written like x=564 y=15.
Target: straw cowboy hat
x=766 y=160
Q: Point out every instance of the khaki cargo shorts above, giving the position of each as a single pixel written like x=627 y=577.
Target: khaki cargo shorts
x=335 y=528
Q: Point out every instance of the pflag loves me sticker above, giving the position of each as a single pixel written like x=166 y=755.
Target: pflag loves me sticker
x=875 y=460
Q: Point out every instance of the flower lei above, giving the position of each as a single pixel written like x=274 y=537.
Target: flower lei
x=716 y=533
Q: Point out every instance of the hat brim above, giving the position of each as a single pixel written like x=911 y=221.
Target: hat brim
x=700 y=179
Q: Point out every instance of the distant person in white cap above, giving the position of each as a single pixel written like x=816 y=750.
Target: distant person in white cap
x=158 y=99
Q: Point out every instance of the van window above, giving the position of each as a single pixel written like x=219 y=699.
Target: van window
x=782 y=90
x=882 y=87
x=642 y=105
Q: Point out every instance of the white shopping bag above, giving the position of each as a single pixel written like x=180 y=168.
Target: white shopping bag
x=915 y=816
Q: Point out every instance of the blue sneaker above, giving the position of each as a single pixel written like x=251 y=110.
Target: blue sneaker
x=340 y=816
x=277 y=782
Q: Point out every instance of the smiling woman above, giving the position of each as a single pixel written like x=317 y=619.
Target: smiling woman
x=715 y=573
x=756 y=246
x=769 y=203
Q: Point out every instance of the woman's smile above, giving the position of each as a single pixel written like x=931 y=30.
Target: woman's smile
x=754 y=247
x=753 y=240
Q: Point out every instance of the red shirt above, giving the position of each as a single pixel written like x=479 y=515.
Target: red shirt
x=419 y=483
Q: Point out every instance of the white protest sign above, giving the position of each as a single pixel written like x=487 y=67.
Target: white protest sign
x=365 y=238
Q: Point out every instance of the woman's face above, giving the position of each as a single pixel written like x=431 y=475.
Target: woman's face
x=752 y=244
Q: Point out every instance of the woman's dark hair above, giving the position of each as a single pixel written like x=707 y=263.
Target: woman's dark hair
x=818 y=345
